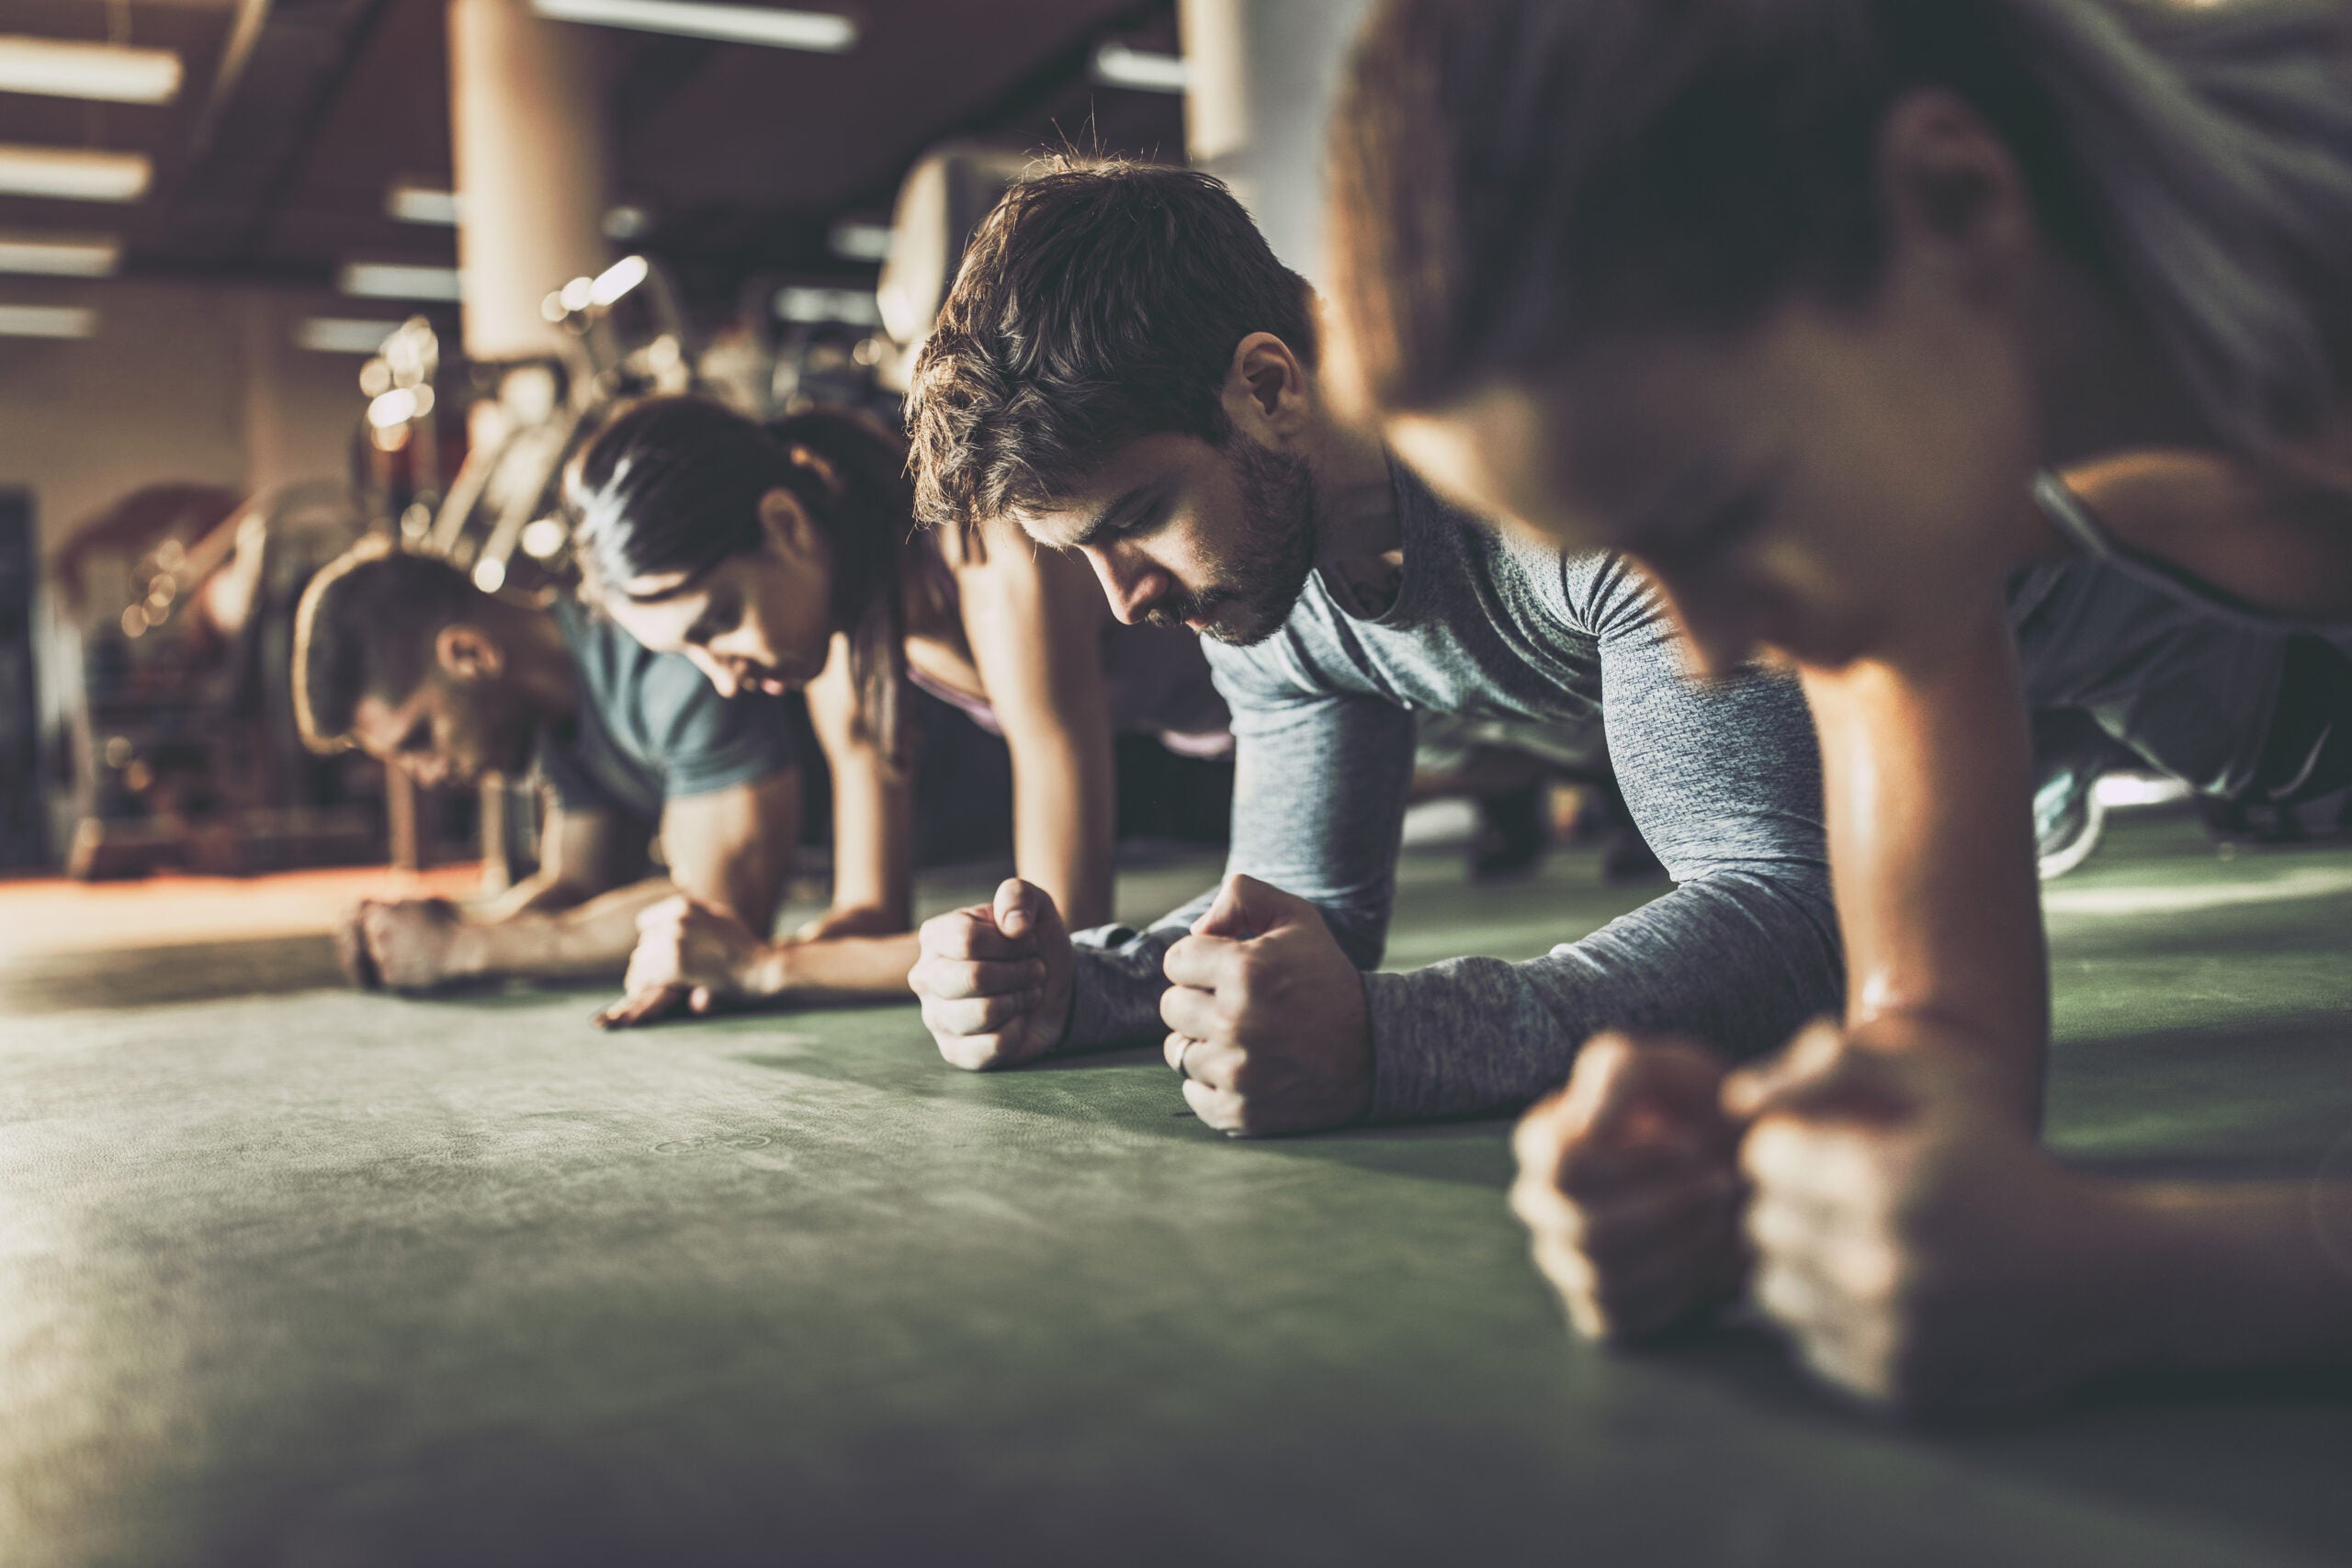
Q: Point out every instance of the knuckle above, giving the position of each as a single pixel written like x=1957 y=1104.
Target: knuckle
x=1538 y=1139
x=973 y=1053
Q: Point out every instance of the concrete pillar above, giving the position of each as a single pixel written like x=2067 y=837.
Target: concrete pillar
x=1262 y=73
x=261 y=326
x=528 y=130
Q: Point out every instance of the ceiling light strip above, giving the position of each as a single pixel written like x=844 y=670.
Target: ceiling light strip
x=56 y=256
x=48 y=321
x=71 y=175
x=1144 y=71
x=58 y=68
x=819 y=31
x=400 y=280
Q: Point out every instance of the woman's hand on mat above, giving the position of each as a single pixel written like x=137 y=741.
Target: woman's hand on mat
x=1629 y=1187
x=1911 y=1237
x=413 y=944
x=994 y=979
x=1266 y=1016
x=688 y=956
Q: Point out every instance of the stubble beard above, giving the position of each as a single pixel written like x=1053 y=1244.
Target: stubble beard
x=1259 y=585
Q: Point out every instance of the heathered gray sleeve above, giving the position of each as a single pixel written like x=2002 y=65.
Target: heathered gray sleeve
x=1725 y=782
x=1321 y=781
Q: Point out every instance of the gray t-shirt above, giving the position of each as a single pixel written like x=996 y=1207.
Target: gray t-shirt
x=652 y=728
x=1724 y=779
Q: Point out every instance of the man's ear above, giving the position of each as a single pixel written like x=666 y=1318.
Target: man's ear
x=1953 y=195
x=466 y=652
x=1267 y=391
x=789 y=527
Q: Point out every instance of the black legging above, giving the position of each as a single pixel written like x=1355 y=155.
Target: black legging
x=2308 y=753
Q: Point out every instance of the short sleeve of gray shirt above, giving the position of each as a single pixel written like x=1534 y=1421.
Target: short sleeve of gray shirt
x=652 y=728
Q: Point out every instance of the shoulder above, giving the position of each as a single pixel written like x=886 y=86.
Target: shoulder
x=1288 y=667
x=1608 y=595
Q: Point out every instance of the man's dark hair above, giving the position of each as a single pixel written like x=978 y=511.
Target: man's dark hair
x=366 y=628
x=1099 y=303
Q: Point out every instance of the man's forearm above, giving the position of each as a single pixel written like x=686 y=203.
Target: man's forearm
x=1738 y=961
x=589 y=940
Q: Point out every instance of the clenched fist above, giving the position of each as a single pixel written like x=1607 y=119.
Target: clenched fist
x=409 y=945
x=1913 y=1240
x=995 y=979
x=1628 y=1188
x=1266 y=1016
x=688 y=955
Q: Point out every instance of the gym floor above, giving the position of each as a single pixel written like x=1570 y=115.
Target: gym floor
x=294 y=1276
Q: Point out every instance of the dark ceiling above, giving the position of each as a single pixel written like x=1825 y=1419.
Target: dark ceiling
x=744 y=156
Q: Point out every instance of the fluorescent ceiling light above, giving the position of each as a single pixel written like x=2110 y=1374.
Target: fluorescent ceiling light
x=817 y=31
x=422 y=204
x=851 y=307
x=344 y=335
x=73 y=175
x=398 y=280
x=1116 y=65
x=854 y=241
x=47 y=321
x=54 y=257
x=59 y=69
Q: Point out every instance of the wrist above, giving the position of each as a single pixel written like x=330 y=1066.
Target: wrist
x=770 y=970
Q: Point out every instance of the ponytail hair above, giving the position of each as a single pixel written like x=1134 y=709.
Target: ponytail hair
x=672 y=485
x=1511 y=176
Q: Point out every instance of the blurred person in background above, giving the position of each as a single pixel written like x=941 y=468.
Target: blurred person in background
x=399 y=655
x=784 y=558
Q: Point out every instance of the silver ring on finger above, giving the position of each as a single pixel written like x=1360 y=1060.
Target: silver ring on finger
x=1183 y=1074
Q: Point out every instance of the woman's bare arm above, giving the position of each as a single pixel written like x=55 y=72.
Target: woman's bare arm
x=2277 y=541
x=873 y=815
x=1033 y=620
x=1927 y=772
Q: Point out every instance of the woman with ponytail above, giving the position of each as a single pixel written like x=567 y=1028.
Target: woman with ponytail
x=785 y=557
x=1834 y=313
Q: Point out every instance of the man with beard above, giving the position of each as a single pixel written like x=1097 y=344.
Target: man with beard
x=401 y=656
x=1125 y=370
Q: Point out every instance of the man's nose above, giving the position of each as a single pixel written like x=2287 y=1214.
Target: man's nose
x=1131 y=591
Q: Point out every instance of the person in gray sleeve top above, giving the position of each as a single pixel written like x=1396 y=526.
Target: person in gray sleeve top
x=1127 y=370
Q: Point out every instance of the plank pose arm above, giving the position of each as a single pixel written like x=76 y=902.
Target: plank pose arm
x=573 y=918
x=1031 y=621
x=1722 y=779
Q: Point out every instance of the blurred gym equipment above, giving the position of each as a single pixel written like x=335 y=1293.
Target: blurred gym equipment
x=176 y=614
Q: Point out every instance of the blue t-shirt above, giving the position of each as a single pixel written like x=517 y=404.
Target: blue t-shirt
x=650 y=726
